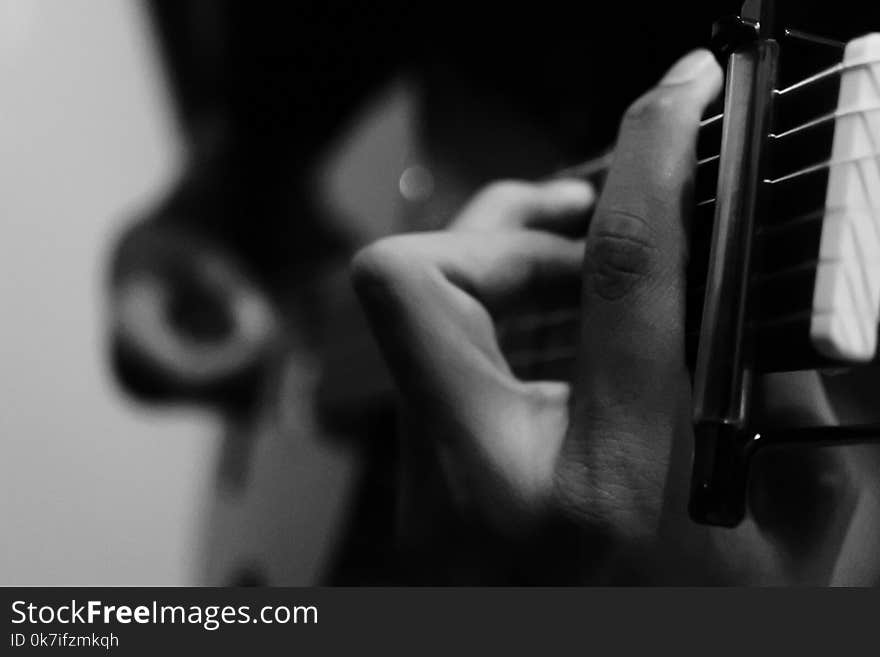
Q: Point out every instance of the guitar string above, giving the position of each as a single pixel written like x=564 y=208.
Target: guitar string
x=821 y=166
x=538 y=321
x=793 y=176
x=603 y=162
x=825 y=118
x=805 y=171
x=563 y=319
x=526 y=326
x=535 y=357
x=594 y=167
x=567 y=349
x=831 y=71
x=522 y=324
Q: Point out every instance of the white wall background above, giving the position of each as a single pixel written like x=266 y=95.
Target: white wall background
x=93 y=490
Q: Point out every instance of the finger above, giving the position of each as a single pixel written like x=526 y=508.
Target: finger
x=633 y=301
x=500 y=270
x=431 y=279
x=429 y=298
x=560 y=205
x=632 y=379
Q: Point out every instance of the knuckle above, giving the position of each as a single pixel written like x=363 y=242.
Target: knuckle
x=620 y=253
x=380 y=264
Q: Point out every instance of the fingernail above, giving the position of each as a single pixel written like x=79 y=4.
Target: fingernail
x=688 y=67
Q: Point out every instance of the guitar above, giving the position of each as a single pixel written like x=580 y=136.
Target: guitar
x=785 y=271
x=763 y=308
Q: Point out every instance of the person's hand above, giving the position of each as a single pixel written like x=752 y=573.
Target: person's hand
x=610 y=452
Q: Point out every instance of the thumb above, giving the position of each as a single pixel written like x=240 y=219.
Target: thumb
x=631 y=390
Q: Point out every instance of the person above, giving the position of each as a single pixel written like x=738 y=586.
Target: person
x=223 y=293
x=220 y=293
x=598 y=469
